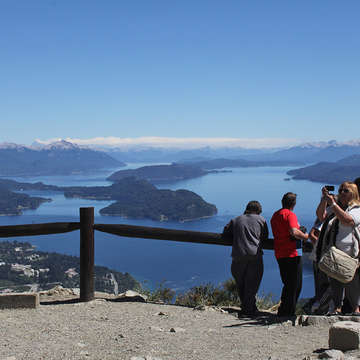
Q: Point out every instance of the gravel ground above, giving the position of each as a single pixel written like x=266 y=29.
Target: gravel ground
x=103 y=329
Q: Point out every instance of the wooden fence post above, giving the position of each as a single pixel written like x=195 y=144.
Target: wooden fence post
x=87 y=274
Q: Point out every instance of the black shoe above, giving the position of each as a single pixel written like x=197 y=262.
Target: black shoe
x=244 y=313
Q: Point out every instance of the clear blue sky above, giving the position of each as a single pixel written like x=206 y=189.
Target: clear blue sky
x=179 y=68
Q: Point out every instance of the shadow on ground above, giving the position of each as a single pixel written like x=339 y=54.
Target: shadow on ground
x=262 y=318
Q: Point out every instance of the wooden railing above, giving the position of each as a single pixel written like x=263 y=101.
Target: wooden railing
x=87 y=227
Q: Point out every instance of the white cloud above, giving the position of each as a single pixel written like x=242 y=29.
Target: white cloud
x=178 y=143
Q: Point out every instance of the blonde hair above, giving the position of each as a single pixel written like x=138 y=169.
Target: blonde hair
x=355 y=198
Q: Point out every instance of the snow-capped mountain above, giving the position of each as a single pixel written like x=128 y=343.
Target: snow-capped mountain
x=57 y=158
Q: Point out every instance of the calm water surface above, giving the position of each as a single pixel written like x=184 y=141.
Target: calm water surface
x=180 y=265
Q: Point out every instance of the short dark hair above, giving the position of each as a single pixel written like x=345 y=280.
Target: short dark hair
x=357 y=182
x=289 y=200
x=253 y=207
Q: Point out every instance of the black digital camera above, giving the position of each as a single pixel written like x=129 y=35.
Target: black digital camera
x=330 y=187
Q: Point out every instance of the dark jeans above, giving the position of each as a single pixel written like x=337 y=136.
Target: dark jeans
x=291 y=276
x=247 y=272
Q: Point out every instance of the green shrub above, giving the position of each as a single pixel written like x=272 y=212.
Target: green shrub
x=160 y=294
x=208 y=294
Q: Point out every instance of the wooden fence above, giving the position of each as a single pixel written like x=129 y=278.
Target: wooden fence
x=87 y=227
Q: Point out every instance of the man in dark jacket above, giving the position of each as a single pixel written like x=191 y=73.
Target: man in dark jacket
x=247 y=231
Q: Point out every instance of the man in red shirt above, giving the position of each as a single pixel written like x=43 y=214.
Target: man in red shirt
x=288 y=250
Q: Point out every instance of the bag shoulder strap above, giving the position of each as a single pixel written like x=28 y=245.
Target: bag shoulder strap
x=322 y=241
x=334 y=231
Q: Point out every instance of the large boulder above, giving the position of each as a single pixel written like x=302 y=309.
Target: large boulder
x=344 y=335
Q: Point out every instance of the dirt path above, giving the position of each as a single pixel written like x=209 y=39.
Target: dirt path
x=103 y=329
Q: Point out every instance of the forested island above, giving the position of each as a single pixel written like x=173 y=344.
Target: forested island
x=138 y=199
x=22 y=268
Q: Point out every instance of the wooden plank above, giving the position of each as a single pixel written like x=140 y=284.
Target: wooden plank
x=121 y=230
x=162 y=234
x=38 y=229
x=145 y=232
x=87 y=274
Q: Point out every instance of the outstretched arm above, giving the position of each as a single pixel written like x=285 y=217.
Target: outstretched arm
x=298 y=234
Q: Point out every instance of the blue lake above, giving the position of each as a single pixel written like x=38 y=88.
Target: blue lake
x=180 y=265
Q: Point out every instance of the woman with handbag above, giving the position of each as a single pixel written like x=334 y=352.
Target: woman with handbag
x=342 y=218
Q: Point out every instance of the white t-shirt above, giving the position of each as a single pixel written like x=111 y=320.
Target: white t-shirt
x=344 y=238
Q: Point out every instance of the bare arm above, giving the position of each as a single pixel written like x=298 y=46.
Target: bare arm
x=326 y=200
x=321 y=209
x=344 y=217
x=298 y=234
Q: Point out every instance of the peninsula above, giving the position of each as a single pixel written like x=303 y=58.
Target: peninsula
x=23 y=268
x=346 y=169
x=157 y=174
x=12 y=203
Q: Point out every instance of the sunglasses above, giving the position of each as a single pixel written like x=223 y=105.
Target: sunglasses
x=344 y=191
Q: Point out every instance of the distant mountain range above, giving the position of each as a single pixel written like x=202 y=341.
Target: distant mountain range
x=168 y=155
x=207 y=165
x=313 y=153
x=63 y=157
x=60 y=158
x=307 y=153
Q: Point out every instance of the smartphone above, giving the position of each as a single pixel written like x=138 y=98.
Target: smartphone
x=330 y=187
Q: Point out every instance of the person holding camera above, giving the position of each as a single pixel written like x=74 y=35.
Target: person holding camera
x=288 y=251
x=341 y=218
x=248 y=232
